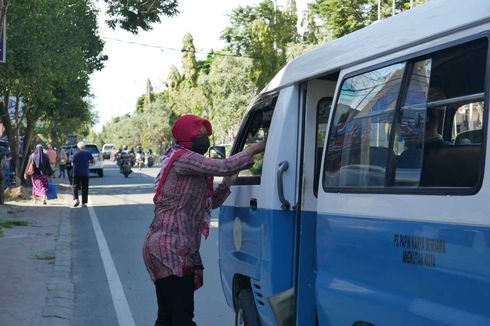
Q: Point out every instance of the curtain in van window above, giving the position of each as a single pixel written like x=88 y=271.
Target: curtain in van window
x=359 y=139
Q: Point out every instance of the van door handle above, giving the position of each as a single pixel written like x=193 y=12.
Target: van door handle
x=283 y=167
x=253 y=203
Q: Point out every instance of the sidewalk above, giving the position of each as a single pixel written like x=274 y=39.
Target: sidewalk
x=35 y=267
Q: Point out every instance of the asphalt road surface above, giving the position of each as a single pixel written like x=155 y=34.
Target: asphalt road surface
x=112 y=286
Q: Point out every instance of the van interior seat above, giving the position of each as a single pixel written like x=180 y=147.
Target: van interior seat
x=411 y=158
x=450 y=166
x=469 y=137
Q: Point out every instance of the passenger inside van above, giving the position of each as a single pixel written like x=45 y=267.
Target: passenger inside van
x=432 y=135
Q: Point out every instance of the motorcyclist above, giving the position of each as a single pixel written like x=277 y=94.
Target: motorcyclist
x=140 y=157
x=123 y=157
x=132 y=157
x=149 y=158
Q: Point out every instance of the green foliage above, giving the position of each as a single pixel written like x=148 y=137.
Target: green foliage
x=149 y=128
x=346 y=16
x=189 y=61
x=263 y=33
x=52 y=49
x=134 y=14
x=343 y=16
x=228 y=93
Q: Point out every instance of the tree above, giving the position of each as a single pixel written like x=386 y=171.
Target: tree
x=134 y=14
x=228 y=93
x=262 y=32
x=53 y=48
x=346 y=16
x=343 y=16
x=189 y=62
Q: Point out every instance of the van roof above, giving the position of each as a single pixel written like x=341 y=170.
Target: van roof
x=403 y=30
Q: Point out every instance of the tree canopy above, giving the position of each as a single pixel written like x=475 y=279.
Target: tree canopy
x=131 y=15
x=52 y=49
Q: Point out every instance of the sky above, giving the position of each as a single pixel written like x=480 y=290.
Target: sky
x=117 y=87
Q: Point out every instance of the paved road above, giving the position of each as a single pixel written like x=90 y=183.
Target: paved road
x=123 y=209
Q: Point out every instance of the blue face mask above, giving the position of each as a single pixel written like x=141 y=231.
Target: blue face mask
x=200 y=144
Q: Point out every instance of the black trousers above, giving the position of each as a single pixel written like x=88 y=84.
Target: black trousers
x=175 y=296
x=80 y=182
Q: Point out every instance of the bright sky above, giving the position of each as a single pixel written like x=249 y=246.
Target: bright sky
x=117 y=87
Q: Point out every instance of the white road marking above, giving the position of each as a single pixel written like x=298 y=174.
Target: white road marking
x=123 y=312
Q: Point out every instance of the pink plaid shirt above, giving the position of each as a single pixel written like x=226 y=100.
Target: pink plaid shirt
x=172 y=243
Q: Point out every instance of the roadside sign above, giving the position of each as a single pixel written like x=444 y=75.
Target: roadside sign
x=3 y=48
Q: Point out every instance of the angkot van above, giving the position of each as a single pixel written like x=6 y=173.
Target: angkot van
x=370 y=204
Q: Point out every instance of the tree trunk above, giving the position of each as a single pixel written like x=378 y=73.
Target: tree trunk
x=28 y=137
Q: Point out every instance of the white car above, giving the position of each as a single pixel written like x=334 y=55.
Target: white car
x=98 y=166
x=107 y=150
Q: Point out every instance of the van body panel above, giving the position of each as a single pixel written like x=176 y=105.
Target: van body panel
x=390 y=272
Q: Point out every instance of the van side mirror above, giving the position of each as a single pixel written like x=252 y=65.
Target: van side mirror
x=219 y=150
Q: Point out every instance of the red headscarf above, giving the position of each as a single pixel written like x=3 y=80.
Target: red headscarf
x=187 y=127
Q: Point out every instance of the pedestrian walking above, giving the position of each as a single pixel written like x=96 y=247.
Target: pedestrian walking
x=184 y=197
x=52 y=157
x=62 y=160
x=41 y=172
x=81 y=161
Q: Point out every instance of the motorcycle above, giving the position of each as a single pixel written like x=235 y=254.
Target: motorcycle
x=124 y=162
x=126 y=168
x=149 y=160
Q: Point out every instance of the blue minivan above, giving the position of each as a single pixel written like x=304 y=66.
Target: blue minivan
x=369 y=205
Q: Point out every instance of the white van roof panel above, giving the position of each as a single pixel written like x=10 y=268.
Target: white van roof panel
x=407 y=28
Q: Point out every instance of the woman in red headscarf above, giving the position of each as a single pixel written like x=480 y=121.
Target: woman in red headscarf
x=184 y=197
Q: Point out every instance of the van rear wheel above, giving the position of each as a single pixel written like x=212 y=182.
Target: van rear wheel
x=246 y=312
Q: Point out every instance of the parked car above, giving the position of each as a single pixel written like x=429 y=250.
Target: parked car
x=98 y=166
x=107 y=150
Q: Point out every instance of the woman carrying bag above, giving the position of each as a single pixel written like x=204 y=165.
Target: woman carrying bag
x=40 y=171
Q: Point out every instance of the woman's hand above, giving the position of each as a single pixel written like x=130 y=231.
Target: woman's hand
x=257 y=147
x=229 y=180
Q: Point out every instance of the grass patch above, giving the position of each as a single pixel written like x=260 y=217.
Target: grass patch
x=45 y=257
x=11 y=223
x=1 y=232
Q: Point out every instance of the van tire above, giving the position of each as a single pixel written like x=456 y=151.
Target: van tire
x=101 y=173
x=246 y=312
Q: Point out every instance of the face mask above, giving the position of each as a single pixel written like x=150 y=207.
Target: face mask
x=200 y=144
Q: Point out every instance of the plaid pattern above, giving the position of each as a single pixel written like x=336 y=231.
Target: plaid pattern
x=172 y=243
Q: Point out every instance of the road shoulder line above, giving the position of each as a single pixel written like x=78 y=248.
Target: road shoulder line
x=123 y=312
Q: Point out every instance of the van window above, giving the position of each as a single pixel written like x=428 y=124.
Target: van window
x=359 y=137
x=256 y=129
x=437 y=139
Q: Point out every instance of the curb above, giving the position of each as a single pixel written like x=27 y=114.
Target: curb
x=58 y=307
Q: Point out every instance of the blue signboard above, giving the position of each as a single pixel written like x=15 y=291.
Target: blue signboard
x=3 y=49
